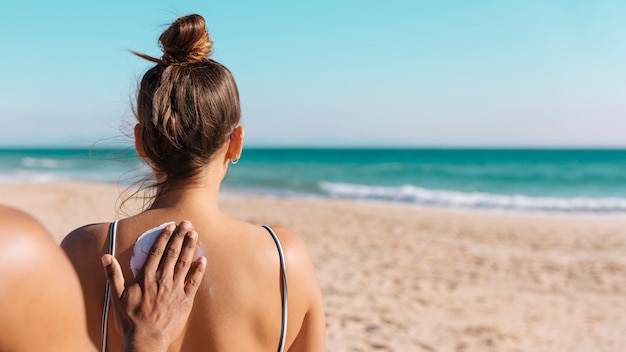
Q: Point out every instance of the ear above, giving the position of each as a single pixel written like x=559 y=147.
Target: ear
x=139 y=141
x=235 y=145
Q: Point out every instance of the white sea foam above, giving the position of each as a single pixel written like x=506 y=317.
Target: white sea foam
x=46 y=163
x=31 y=177
x=475 y=200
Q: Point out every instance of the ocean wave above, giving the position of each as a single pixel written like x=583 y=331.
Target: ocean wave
x=474 y=200
x=26 y=176
x=45 y=163
x=32 y=177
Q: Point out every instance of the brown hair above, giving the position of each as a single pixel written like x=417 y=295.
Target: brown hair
x=187 y=104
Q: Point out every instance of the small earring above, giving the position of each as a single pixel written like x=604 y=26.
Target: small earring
x=234 y=161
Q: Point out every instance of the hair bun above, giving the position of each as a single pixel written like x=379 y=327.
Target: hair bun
x=186 y=41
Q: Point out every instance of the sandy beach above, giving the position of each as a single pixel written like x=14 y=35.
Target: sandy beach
x=404 y=278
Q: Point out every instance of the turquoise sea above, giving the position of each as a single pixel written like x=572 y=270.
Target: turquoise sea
x=572 y=181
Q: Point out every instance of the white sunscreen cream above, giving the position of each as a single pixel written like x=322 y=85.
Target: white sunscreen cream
x=144 y=244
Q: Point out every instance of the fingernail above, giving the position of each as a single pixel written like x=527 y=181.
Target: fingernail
x=188 y=223
x=107 y=260
x=192 y=235
x=202 y=263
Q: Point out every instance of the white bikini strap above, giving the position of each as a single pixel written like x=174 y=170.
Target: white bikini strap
x=283 y=330
x=107 y=292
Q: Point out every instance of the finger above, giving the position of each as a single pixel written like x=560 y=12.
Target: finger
x=186 y=256
x=195 y=276
x=173 y=249
x=156 y=252
x=113 y=272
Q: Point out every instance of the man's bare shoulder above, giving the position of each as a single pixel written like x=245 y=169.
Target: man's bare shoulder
x=39 y=288
x=17 y=224
x=24 y=244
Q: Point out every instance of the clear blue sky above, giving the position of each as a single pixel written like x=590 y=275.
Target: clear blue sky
x=332 y=73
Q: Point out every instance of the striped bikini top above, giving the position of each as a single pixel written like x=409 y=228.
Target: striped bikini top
x=283 y=328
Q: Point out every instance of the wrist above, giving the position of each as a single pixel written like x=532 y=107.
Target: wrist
x=140 y=340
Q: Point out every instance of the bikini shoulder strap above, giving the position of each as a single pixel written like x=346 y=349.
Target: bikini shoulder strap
x=107 y=292
x=283 y=330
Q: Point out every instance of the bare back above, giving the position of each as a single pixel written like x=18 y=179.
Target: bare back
x=238 y=306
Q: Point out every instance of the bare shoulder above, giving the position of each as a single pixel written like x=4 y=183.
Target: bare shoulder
x=16 y=224
x=305 y=298
x=24 y=242
x=86 y=234
x=289 y=240
x=88 y=238
x=41 y=295
x=296 y=253
x=84 y=247
x=297 y=257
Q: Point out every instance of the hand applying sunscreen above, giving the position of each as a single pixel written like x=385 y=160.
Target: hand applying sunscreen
x=144 y=244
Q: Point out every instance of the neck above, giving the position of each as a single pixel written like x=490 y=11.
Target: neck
x=184 y=198
x=202 y=191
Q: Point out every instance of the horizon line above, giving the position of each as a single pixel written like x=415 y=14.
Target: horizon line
x=356 y=146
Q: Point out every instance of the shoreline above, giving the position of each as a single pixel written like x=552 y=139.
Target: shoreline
x=112 y=193
x=238 y=193
x=398 y=277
